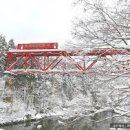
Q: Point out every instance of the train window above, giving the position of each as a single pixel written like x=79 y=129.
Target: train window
x=21 y=47
x=25 y=46
x=30 y=46
x=33 y=46
x=18 y=46
x=54 y=45
x=41 y=46
x=38 y=46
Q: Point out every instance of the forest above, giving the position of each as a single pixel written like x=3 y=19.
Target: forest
x=76 y=96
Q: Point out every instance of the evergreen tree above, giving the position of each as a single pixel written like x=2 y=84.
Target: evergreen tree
x=11 y=44
x=4 y=47
x=3 y=44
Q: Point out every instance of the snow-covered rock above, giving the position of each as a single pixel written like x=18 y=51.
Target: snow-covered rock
x=39 y=126
x=38 y=116
x=60 y=122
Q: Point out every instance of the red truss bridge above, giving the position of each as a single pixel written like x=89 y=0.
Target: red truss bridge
x=35 y=58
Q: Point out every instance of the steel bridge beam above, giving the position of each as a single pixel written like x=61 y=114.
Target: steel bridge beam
x=56 y=61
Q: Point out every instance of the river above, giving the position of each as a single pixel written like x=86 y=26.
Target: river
x=52 y=123
x=58 y=123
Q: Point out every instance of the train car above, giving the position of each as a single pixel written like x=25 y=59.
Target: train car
x=30 y=46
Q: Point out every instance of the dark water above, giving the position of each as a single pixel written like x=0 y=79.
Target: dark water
x=53 y=123
x=57 y=123
x=25 y=126
x=79 y=122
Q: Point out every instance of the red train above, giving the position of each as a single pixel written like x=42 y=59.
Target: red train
x=30 y=46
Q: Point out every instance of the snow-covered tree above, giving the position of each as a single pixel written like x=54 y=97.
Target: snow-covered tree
x=3 y=44
x=102 y=26
x=4 y=47
x=11 y=44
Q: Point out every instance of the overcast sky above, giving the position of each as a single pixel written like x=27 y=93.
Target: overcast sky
x=36 y=20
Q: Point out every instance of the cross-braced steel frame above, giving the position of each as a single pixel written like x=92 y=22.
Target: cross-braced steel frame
x=58 y=61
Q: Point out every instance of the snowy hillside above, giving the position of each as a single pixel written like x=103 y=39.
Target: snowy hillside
x=65 y=96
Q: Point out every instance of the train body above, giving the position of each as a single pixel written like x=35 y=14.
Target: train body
x=31 y=46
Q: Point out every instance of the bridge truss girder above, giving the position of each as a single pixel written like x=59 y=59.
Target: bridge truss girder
x=60 y=61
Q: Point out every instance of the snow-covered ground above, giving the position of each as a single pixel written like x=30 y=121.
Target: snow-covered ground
x=14 y=112
x=18 y=110
x=64 y=100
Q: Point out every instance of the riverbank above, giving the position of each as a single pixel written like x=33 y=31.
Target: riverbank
x=59 y=119
x=18 y=110
x=77 y=122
